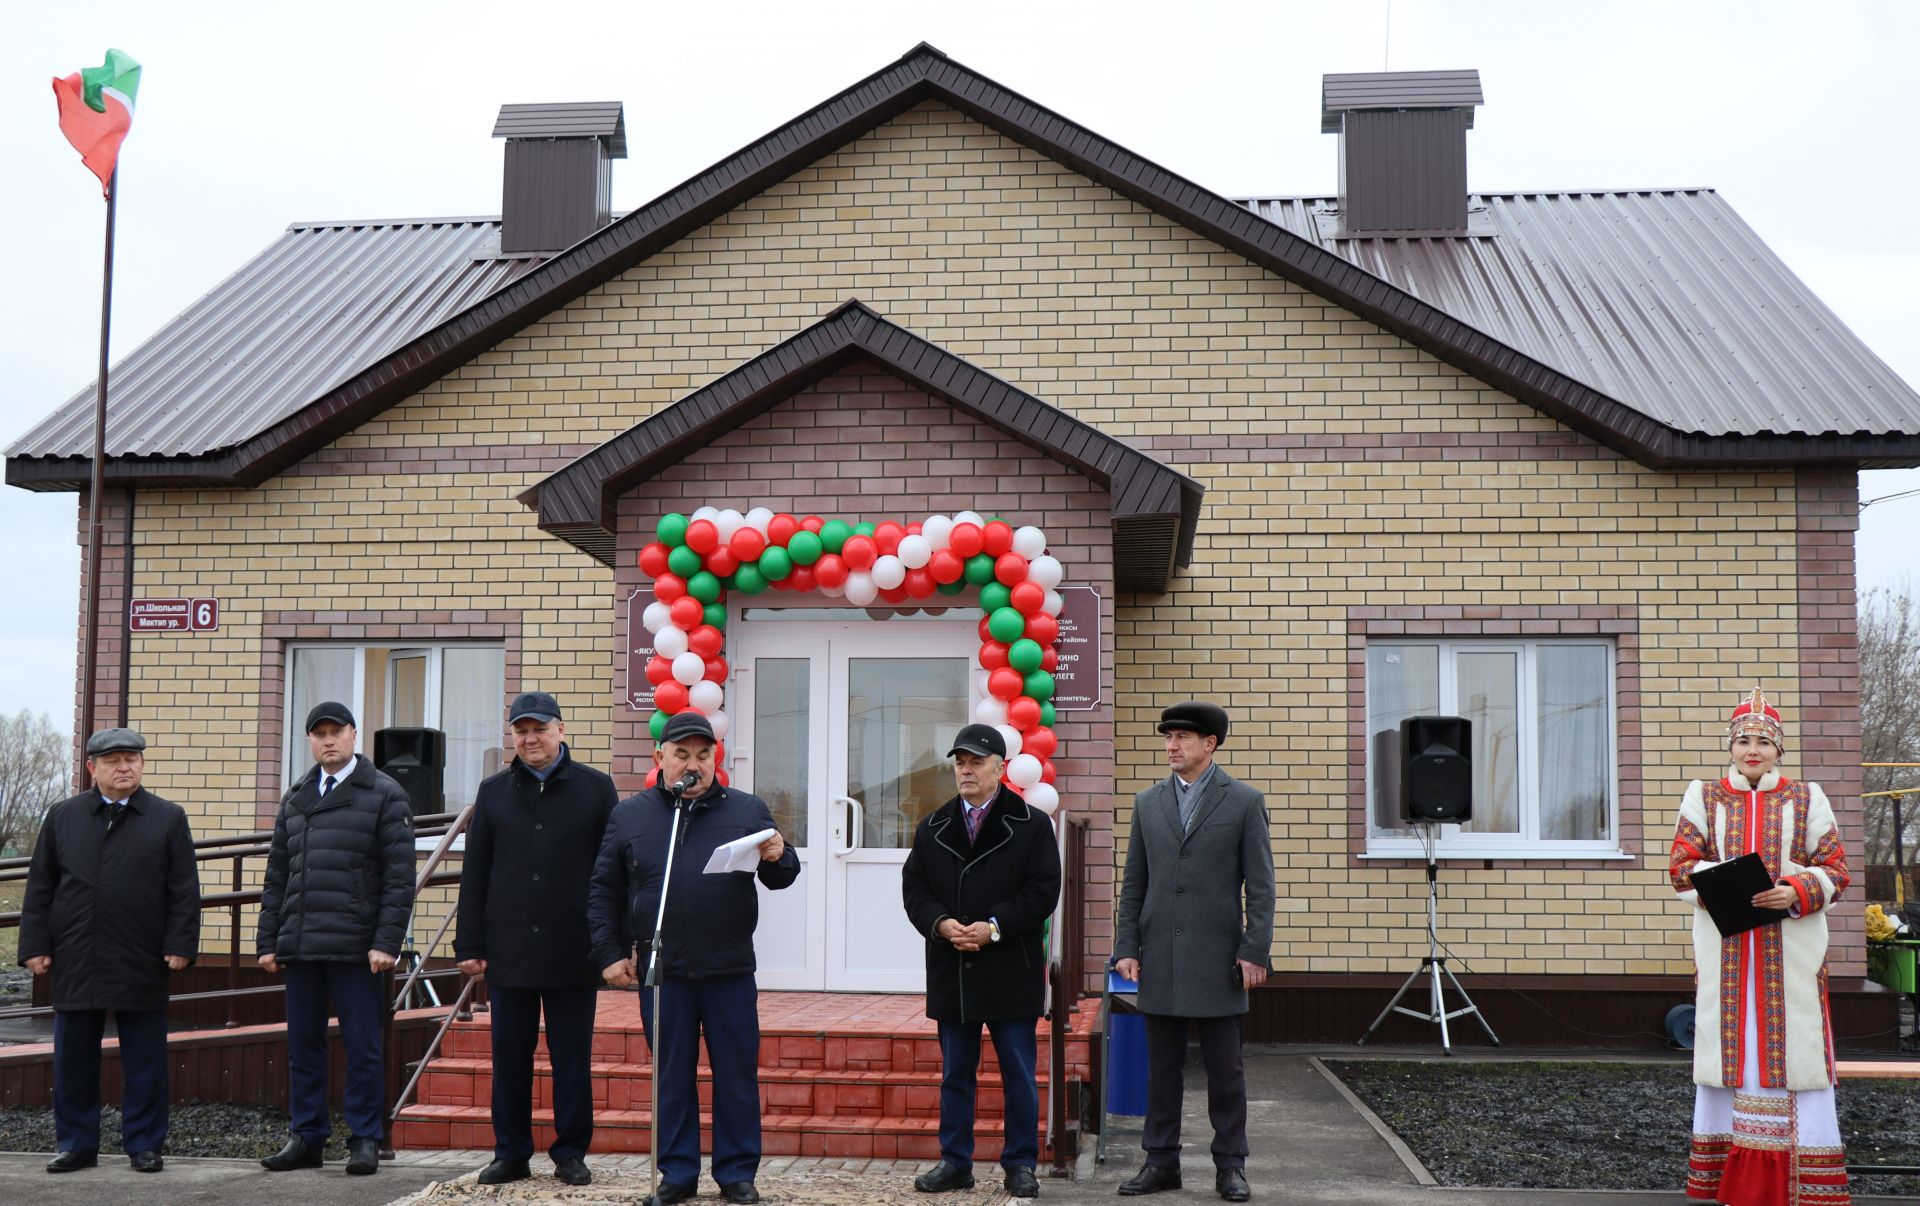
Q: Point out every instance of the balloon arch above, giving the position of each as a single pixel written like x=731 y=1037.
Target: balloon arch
x=697 y=560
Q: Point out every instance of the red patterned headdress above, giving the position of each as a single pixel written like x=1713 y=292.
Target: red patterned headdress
x=1754 y=716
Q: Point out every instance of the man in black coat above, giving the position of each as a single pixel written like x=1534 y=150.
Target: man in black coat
x=112 y=905
x=333 y=916
x=706 y=952
x=531 y=846
x=980 y=882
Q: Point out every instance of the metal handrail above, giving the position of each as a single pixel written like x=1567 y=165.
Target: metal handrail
x=421 y=882
x=433 y=1048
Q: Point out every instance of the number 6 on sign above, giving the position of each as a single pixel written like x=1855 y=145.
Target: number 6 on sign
x=204 y=616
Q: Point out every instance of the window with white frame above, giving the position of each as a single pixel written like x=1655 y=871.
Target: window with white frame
x=1544 y=741
x=459 y=689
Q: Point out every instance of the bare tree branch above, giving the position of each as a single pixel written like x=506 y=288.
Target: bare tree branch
x=1890 y=718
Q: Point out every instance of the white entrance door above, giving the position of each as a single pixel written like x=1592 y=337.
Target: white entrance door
x=843 y=728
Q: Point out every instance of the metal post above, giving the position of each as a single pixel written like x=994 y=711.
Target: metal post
x=233 y=950
x=652 y=983
x=90 y=605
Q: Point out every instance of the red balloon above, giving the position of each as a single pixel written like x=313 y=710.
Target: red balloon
x=1047 y=773
x=946 y=566
x=920 y=583
x=1010 y=568
x=716 y=670
x=996 y=538
x=860 y=552
x=659 y=669
x=897 y=595
x=653 y=776
x=653 y=559
x=670 y=697
x=721 y=777
x=1022 y=713
x=721 y=563
x=785 y=583
x=1007 y=683
x=1040 y=742
x=913 y=529
x=831 y=570
x=887 y=535
x=1050 y=660
x=687 y=612
x=748 y=543
x=1013 y=787
x=703 y=536
x=993 y=656
x=668 y=587
x=1042 y=628
x=781 y=528
x=720 y=751
x=986 y=630
x=706 y=640
x=813 y=523
x=1027 y=596
x=802 y=578
x=964 y=540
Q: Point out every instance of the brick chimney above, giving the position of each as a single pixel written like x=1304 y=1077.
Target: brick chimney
x=1403 y=149
x=558 y=186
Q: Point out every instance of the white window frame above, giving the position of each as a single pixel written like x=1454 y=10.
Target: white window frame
x=1453 y=841
x=296 y=759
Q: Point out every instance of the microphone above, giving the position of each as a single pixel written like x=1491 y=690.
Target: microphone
x=684 y=784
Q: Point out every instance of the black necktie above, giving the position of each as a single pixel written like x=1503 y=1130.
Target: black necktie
x=326 y=786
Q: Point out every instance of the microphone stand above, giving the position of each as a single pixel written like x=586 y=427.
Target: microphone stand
x=678 y=790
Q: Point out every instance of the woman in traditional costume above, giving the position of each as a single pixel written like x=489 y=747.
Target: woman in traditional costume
x=1764 y=1130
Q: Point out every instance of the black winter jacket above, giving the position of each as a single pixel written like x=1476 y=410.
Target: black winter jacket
x=531 y=847
x=109 y=906
x=1011 y=875
x=710 y=918
x=340 y=874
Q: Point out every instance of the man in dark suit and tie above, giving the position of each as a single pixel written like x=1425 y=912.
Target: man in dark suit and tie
x=1199 y=845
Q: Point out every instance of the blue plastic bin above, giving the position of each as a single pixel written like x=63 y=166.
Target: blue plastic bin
x=1126 y=1054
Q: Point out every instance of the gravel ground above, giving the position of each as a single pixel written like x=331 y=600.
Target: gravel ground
x=791 y=1187
x=198 y=1128
x=1592 y=1125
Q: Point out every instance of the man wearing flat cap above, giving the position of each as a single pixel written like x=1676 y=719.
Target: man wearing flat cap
x=1195 y=931
x=706 y=950
x=112 y=907
x=531 y=843
x=333 y=916
x=980 y=882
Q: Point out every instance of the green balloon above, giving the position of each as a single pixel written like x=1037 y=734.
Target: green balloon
x=1047 y=713
x=952 y=588
x=1040 y=685
x=805 y=548
x=658 y=724
x=834 y=533
x=716 y=613
x=684 y=561
x=863 y=529
x=979 y=569
x=748 y=579
x=706 y=588
x=672 y=529
x=994 y=596
x=1025 y=655
x=1006 y=625
x=775 y=563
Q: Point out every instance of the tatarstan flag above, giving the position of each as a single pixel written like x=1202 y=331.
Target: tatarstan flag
x=96 y=110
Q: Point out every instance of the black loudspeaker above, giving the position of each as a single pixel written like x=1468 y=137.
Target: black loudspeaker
x=417 y=761
x=1436 y=768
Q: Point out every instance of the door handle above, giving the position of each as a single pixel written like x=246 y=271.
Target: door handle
x=856 y=821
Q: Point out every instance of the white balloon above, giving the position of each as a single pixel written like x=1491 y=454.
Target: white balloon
x=889 y=572
x=980 y=678
x=706 y=696
x=990 y=711
x=1055 y=601
x=708 y=513
x=656 y=616
x=837 y=591
x=758 y=519
x=1044 y=570
x=1044 y=797
x=670 y=642
x=721 y=722
x=915 y=551
x=1029 y=541
x=972 y=517
x=1023 y=770
x=1012 y=736
x=728 y=521
x=860 y=588
x=689 y=668
x=936 y=528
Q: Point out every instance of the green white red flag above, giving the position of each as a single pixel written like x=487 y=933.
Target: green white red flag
x=96 y=111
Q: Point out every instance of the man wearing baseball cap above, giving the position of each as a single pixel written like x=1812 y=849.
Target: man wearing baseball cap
x=531 y=842
x=333 y=915
x=980 y=882
x=706 y=950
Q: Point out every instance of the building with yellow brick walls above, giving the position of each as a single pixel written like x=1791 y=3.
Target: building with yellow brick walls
x=1326 y=473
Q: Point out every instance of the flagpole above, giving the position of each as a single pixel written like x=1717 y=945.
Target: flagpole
x=90 y=607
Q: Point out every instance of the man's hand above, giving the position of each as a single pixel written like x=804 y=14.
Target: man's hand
x=1253 y=975
x=40 y=965
x=1780 y=896
x=1129 y=969
x=270 y=963
x=972 y=937
x=477 y=968
x=177 y=962
x=773 y=848
x=379 y=961
x=620 y=974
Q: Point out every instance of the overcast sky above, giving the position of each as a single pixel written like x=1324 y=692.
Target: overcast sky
x=254 y=115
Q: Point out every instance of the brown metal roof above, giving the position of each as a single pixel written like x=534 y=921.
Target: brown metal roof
x=1156 y=510
x=578 y=119
x=1397 y=90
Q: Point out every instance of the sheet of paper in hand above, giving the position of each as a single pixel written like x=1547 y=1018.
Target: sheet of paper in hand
x=1728 y=891
x=741 y=854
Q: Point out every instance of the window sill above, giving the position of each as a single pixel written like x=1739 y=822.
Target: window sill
x=1530 y=853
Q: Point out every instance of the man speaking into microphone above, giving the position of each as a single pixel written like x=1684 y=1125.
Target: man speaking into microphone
x=706 y=952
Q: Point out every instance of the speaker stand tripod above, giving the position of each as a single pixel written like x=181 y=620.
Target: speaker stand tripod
x=1432 y=968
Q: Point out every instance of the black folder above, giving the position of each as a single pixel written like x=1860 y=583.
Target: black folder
x=1728 y=891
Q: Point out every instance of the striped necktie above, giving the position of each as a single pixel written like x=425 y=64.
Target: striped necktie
x=974 y=817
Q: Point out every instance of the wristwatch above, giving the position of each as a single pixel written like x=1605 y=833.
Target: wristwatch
x=995 y=923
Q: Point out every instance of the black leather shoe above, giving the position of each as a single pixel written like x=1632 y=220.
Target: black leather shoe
x=72 y=1161
x=671 y=1192
x=740 y=1191
x=1021 y=1183
x=1151 y=1179
x=502 y=1172
x=572 y=1171
x=943 y=1177
x=1232 y=1184
x=146 y=1161
x=363 y=1157
x=298 y=1153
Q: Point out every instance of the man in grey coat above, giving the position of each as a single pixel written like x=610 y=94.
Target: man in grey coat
x=1194 y=947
